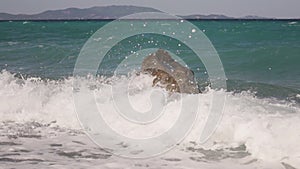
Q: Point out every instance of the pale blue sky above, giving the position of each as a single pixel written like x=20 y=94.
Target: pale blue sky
x=236 y=8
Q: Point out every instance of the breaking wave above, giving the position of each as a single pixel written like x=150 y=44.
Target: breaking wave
x=269 y=128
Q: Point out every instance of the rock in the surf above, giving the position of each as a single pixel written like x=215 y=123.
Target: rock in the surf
x=169 y=74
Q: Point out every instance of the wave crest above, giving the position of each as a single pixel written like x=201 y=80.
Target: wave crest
x=268 y=128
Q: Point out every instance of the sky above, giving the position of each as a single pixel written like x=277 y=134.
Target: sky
x=235 y=8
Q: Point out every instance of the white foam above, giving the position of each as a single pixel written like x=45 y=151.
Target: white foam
x=292 y=23
x=36 y=100
x=269 y=129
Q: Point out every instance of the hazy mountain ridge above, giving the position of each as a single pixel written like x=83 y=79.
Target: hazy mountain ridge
x=106 y=12
x=103 y=12
x=211 y=16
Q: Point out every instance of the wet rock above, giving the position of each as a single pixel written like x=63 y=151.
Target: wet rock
x=169 y=74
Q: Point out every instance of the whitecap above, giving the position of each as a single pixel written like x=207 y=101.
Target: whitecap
x=268 y=128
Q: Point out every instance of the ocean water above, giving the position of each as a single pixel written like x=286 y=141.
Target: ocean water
x=260 y=124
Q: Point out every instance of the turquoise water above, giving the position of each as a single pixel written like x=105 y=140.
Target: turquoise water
x=260 y=56
x=260 y=121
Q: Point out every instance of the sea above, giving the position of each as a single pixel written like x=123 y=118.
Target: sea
x=260 y=123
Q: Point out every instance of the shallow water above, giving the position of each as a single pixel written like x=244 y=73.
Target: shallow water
x=254 y=132
x=260 y=123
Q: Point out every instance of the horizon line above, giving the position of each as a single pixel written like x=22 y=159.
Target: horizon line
x=259 y=17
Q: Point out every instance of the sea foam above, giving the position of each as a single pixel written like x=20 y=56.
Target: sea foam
x=269 y=129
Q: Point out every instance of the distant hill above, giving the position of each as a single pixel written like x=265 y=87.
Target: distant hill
x=212 y=16
x=255 y=17
x=104 y=12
